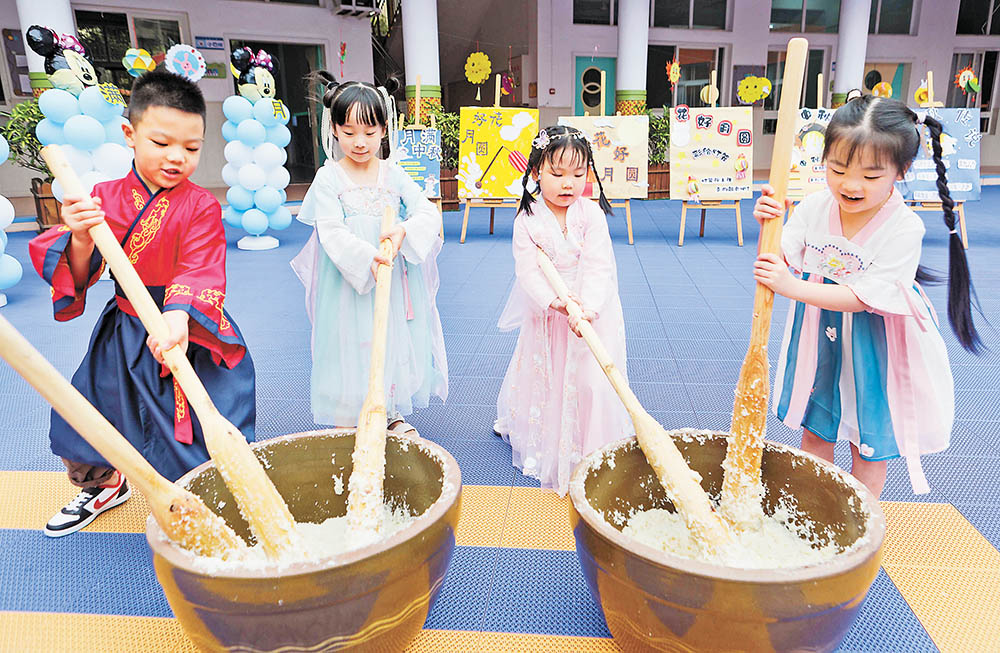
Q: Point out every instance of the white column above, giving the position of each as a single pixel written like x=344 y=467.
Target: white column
x=55 y=14
x=420 y=51
x=633 y=43
x=852 y=46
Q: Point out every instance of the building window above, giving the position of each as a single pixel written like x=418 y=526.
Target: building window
x=805 y=16
x=697 y=65
x=984 y=64
x=978 y=17
x=595 y=12
x=812 y=96
x=890 y=17
x=689 y=14
x=106 y=37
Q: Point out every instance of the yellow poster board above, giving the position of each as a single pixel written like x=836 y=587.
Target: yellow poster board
x=808 y=173
x=621 y=153
x=711 y=153
x=493 y=148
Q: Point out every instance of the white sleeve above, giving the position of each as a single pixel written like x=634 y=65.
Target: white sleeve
x=351 y=255
x=793 y=233
x=887 y=282
x=421 y=218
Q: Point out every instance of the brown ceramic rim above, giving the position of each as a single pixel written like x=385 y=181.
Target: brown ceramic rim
x=842 y=563
x=451 y=486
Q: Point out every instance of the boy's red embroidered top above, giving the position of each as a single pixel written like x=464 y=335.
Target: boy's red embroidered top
x=175 y=240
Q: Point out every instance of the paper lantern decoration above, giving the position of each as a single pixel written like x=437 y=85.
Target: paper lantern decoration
x=673 y=73
x=882 y=89
x=477 y=69
x=343 y=57
x=138 y=61
x=752 y=89
x=185 y=61
x=967 y=81
x=518 y=161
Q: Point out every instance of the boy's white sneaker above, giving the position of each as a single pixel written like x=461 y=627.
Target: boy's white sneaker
x=87 y=505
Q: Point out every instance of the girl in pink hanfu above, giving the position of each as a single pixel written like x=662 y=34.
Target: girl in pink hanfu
x=556 y=405
x=863 y=358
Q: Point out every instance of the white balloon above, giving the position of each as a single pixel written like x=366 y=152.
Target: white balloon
x=238 y=153
x=6 y=213
x=231 y=174
x=79 y=160
x=92 y=178
x=278 y=178
x=269 y=156
x=252 y=176
x=57 y=190
x=113 y=160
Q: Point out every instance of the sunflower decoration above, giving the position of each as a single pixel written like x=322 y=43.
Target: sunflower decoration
x=967 y=81
x=921 y=96
x=673 y=73
x=477 y=69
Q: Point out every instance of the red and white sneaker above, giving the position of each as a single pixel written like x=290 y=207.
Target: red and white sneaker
x=87 y=505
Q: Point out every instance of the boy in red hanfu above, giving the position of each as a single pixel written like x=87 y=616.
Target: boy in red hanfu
x=171 y=231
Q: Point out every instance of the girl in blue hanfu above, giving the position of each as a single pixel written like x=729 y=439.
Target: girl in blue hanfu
x=555 y=405
x=863 y=358
x=345 y=203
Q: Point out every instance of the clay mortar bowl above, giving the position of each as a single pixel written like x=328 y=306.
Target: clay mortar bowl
x=375 y=598
x=657 y=601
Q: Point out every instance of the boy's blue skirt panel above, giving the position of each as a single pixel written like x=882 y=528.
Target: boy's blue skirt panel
x=120 y=377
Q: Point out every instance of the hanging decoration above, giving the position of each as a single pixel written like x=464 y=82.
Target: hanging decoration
x=967 y=81
x=507 y=81
x=882 y=89
x=343 y=57
x=185 y=61
x=477 y=69
x=752 y=89
x=138 y=62
x=673 y=73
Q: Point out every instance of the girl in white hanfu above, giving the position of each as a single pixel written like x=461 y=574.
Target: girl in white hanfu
x=863 y=358
x=556 y=405
x=346 y=202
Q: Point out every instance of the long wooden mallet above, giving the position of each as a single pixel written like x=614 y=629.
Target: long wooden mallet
x=364 y=499
x=741 y=493
x=259 y=502
x=682 y=486
x=181 y=514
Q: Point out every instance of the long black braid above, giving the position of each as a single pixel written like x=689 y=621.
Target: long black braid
x=550 y=147
x=891 y=132
x=960 y=290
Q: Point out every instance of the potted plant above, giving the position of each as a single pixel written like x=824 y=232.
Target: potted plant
x=25 y=150
x=659 y=150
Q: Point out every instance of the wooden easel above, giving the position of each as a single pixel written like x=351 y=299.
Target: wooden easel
x=937 y=207
x=492 y=202
x=417 y=125
x=706 y=205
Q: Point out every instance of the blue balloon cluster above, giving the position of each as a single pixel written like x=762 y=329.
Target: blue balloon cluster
x=256 y=136
x=89 y=131
x=10 y=268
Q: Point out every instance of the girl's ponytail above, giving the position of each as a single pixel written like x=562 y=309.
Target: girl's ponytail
x=960 y=290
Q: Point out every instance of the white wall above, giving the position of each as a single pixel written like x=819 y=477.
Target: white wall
x=931 y=47
x=229 y=19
